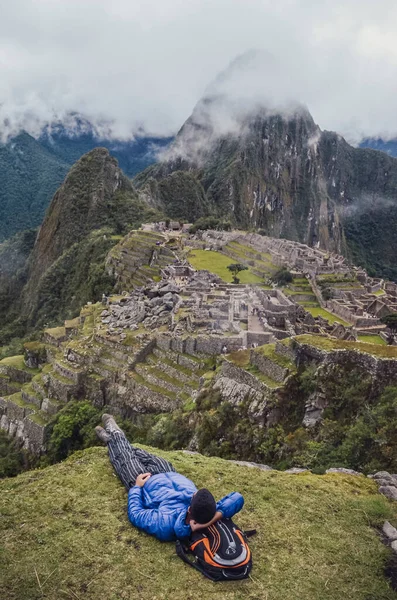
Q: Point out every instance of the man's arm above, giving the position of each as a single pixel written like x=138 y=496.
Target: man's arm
x=230 y=505
x=149 y=520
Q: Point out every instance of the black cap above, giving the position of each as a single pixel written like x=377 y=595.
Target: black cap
x=203 y=506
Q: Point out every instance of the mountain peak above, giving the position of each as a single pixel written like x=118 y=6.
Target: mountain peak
x=78 y=206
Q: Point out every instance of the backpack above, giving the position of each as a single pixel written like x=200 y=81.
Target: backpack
x=221 y=551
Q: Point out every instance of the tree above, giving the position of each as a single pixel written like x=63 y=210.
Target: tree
x=282 y=277
x=390 y=321
x=235 y=268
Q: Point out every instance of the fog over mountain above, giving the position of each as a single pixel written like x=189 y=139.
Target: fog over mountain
x=131 y=67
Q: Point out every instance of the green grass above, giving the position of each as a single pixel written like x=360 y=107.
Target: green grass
x=242 y=359
x=73 y=323
x=17 y=362
x=379 y=293
x=320 y=312
x=56 y=332
x=17 y=399
x=268 y=350
x=311 y=304
x=372 y=339
x=65 y=534
x=324 y=343
x=217 y=263
x=34 y=346
x=39 y=417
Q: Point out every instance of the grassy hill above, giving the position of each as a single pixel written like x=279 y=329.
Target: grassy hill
x=65 y=534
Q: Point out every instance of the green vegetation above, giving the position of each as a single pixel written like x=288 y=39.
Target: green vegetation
x=268 y=350
x=282 y=277
x=29 y=177
x=180 y=195
x=210 y=222
x=372 y=339
x=32 y=169
x=235 y=269
x=71 y=430
x=17 y=362
x=330 y=344
x=369 y=238
x=301 y=286
x=218 y=263
x=66 y=534
x=390 y=321
x=13 y=459
x=67 y=266
x=317 y=311
x=77 y=277
x=14 y=361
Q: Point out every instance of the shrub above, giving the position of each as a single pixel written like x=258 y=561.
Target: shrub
x=13 y=459
x=282 y=277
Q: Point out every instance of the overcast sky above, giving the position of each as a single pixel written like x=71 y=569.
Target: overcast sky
x=146 y=63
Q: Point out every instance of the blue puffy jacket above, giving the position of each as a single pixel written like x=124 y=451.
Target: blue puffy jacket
x=160 y=506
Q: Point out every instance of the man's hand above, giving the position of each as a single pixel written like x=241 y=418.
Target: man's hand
x=142 y=479
x=194 y=526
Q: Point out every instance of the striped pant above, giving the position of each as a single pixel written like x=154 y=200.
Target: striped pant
x=129 y=462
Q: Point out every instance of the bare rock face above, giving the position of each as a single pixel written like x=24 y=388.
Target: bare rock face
x=389 y=491
x=389 y=531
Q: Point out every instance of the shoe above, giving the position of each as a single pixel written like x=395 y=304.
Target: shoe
x=110 y=424
x=102 y=434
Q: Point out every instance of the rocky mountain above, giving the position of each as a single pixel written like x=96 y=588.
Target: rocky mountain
x=282 y=174
x=29 y=177
x=31 y=170
x=95 y=204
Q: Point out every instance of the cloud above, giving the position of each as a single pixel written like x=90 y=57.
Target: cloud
x=129 y=66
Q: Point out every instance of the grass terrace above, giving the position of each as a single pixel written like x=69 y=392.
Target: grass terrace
x=317 y=311
x=56 y=332
x=217 y=263
x=329 y=344
x=301 y=286
x=372 y=339
x=269 y=351
x=17 y=362
x=242 y=359
x=317 y=536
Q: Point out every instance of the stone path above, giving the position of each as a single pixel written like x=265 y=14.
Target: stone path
x=254 y=323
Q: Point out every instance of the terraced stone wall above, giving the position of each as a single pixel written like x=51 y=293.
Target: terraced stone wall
x=268 y=367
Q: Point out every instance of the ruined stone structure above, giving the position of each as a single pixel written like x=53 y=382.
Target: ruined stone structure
x=148 y=349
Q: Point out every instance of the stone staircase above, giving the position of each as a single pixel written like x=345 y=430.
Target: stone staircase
x=175 y=376
x=22 y=413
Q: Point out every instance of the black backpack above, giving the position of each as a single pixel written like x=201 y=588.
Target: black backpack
x=220 y=552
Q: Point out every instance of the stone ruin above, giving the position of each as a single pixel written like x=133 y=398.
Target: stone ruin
x=148 y=349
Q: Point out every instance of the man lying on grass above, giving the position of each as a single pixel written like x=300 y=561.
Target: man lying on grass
x=160 y=501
